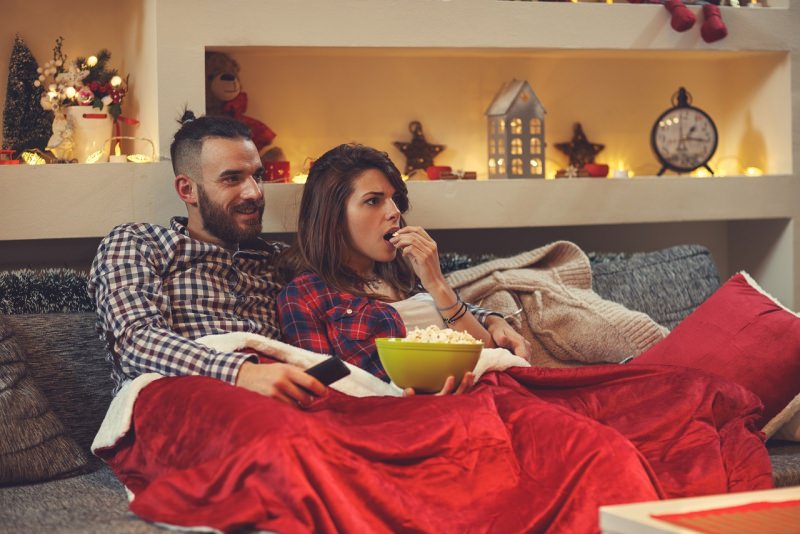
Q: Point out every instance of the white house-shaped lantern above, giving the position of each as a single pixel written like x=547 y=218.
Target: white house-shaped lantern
x=516 y=133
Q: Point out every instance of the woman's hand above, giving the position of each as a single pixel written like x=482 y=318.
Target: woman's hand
x=415 y=244
x=449 y=384
x=504 y=335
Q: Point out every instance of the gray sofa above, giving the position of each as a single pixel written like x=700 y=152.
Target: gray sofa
x=47 y=338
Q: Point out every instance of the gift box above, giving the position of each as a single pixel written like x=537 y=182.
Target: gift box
x=276 y=171
x=6 y=158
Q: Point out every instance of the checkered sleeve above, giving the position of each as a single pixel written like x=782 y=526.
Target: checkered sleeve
x=482 y=314
x=301 y=324
x=135 y=315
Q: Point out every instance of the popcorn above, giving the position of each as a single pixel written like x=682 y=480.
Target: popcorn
x=434 y=334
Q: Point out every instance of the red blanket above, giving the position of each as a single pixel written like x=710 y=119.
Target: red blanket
x=528 y=450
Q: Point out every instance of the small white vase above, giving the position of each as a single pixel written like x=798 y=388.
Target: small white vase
x=91 y=128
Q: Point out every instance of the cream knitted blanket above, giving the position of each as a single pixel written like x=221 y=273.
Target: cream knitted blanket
x=548 y=294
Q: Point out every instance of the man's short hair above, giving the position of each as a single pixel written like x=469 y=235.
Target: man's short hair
x=188 y=141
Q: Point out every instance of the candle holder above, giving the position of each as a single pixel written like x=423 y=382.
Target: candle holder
x=124 y=148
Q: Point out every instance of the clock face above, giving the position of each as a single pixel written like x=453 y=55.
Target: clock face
x=684 y=138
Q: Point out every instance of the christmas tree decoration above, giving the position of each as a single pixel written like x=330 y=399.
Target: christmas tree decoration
x=419 y=152
x=682 y=18
x=516 y=133
x=25 y=124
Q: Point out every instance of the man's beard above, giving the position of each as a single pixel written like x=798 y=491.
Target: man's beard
x=222 y=225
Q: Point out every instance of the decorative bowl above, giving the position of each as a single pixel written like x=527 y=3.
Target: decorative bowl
x=426 y=366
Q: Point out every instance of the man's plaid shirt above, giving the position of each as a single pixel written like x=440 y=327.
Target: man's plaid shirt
x=157 y=290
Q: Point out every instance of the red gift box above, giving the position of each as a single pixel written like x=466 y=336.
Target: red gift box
x=6 y=158
x=276 y=171
x=596 y=170
x=435 y=171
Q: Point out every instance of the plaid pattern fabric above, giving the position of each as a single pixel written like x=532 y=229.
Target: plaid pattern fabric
x=157 y=290
x=316 y=317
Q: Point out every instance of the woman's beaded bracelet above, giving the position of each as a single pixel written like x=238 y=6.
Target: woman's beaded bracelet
x=453 y=305
x=460 y=312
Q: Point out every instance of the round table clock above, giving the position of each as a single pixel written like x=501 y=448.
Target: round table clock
x=683 y=137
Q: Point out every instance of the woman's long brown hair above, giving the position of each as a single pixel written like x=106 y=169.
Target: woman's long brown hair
x=323 y=242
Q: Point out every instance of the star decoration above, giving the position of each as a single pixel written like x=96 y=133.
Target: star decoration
x=579 y=149
x=419 y=153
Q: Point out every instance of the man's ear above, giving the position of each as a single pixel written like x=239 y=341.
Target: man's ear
x=186 y=189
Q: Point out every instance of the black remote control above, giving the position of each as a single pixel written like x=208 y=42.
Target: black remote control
x=329 y=371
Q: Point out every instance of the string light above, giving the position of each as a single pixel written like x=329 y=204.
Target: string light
x=31 y=158
x=94 y=157
x=139 y=158
x=753 y=171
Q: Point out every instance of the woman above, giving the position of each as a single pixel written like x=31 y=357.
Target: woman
x=356 y=272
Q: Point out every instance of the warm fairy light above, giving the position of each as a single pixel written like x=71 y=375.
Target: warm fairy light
x=94 y=157
x=31 y=158
x=70 y=92
x=753 y=171
x=702 y=172
x=91 y=61
x=300 y=179
x=116 y=81
x=138 y=158
x=551 y=167
x=117 y=150
x=404 y=177
x=620 y=171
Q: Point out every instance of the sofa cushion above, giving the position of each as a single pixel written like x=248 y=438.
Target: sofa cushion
x=44 y=291
x=33 y=443
x=641 y=281
x=67 y=363
x=744 y=335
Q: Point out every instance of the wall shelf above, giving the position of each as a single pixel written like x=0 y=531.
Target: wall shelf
x=131 y=192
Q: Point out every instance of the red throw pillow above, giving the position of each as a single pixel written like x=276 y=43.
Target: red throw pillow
x=741 y=334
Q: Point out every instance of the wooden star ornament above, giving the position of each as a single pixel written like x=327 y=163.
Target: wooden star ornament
x=579 y=149
x=419 y=153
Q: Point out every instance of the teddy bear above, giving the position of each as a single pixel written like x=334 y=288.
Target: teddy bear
x=713 y=28
x=224 y=96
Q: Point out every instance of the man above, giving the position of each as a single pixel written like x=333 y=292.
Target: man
x=157 y=289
